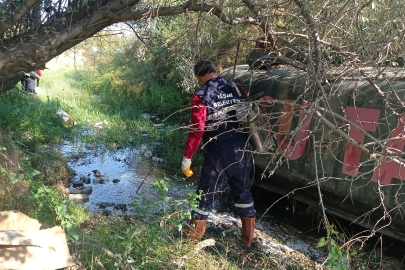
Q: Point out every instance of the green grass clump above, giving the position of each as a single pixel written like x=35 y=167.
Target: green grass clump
x=30 y=121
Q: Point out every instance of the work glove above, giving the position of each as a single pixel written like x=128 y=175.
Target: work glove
x=185 y=166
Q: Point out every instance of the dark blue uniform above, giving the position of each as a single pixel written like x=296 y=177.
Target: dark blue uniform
x=28 y=84
x=225 y=160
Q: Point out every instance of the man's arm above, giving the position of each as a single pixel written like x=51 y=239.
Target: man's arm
x=196 y=131
x=35 y=75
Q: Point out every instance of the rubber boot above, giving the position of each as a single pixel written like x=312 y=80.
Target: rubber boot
x=196 y=230
x=248 y=229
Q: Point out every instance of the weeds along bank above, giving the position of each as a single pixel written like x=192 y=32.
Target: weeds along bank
x=32 y=175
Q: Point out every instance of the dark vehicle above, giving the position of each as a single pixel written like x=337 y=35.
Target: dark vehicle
x=362 y=185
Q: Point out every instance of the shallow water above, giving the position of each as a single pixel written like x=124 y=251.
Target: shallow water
x=129 y=166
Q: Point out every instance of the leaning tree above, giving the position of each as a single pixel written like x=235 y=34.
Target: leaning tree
x=35 y=31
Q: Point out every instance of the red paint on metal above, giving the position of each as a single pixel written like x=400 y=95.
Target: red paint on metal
x=388 y=169
x=297 y=147
x=367 y=119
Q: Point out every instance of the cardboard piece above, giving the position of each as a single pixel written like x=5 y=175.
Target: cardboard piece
x=26 y=243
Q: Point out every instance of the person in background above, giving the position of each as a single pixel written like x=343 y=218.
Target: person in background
x=28 y=81
x=213 y=121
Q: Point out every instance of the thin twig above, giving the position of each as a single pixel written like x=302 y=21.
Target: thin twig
x=318 y=184
x=9 y=160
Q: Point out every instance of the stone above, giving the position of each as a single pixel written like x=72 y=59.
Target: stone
x=72 y=191
x=86 y=190
x=146 y=116
x=79 y=198
x=104 y=180
x=66 y=118
x=85 y=179
x=158 y=160
x=121 y=206
x=100 y=180
x=143 y=130
x=80 y=190
x=76 y=184
x=104 y=205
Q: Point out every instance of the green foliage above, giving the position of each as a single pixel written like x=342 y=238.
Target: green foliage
x=280 y=239
x=337 y=260
x=124 y=81
x=174 y=49
x=52 y=206
x=161 y=216
x=149 y=239
x=119 y=88
x=25 y=174
x=162 y=100
x=192 y=199
x=3 y=171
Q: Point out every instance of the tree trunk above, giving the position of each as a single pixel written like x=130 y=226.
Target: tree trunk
x=31 y=50
x=28 y=51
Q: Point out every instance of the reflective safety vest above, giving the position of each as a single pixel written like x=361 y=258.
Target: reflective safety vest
x=219 y=96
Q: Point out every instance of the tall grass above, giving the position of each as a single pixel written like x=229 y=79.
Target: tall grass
x=30 y=121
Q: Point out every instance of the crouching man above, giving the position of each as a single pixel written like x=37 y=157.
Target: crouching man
x=28 y=82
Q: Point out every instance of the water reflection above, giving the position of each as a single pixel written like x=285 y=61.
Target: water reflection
x=129 y=166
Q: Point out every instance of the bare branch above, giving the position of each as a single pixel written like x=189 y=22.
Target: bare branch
x=24 y=9
x=325 y=219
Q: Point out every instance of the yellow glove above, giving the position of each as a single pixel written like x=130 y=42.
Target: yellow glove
x=185 y=167
x=188 y=172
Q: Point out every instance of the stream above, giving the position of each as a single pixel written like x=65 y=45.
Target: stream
x=123 y=170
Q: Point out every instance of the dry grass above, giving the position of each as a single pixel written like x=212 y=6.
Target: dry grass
x=9 y=157
x=9 y=162
x=53 y=168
